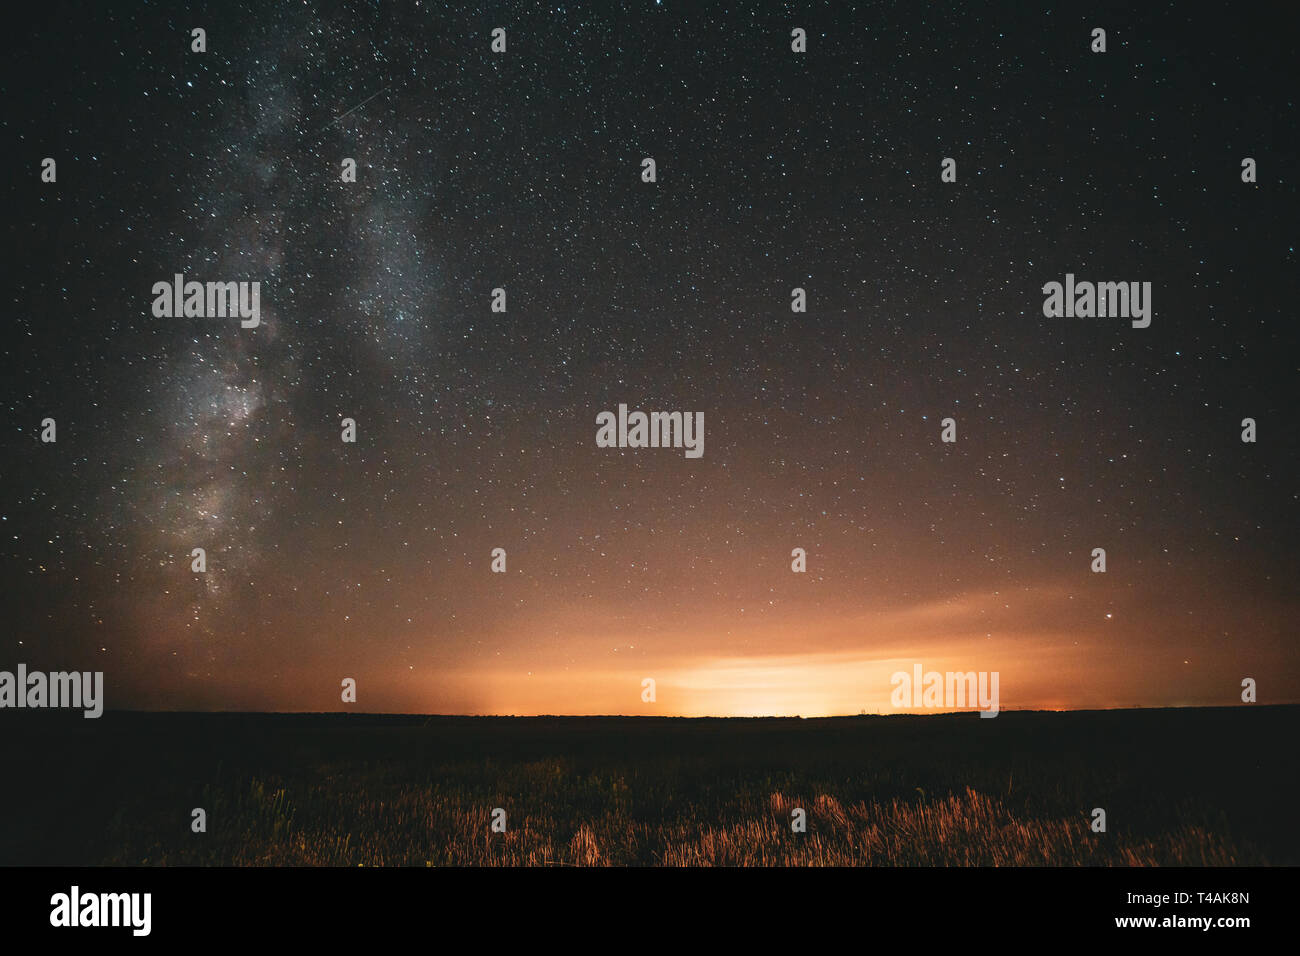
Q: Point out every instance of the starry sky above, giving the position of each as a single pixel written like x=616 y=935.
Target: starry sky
x=476 y=430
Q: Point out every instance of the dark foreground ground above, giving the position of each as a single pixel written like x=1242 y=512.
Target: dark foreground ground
x=1179 y=787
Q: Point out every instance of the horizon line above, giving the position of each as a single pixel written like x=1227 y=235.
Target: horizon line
x=918 y=713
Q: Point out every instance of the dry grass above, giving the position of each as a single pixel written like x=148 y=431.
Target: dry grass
x=606 y=792
x=436 y=827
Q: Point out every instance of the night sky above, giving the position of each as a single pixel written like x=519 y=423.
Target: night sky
x=476 y=430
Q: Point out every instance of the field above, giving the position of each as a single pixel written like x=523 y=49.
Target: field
x=1179 y=787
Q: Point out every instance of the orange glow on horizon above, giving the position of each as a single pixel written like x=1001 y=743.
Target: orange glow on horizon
x=1051 y=650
